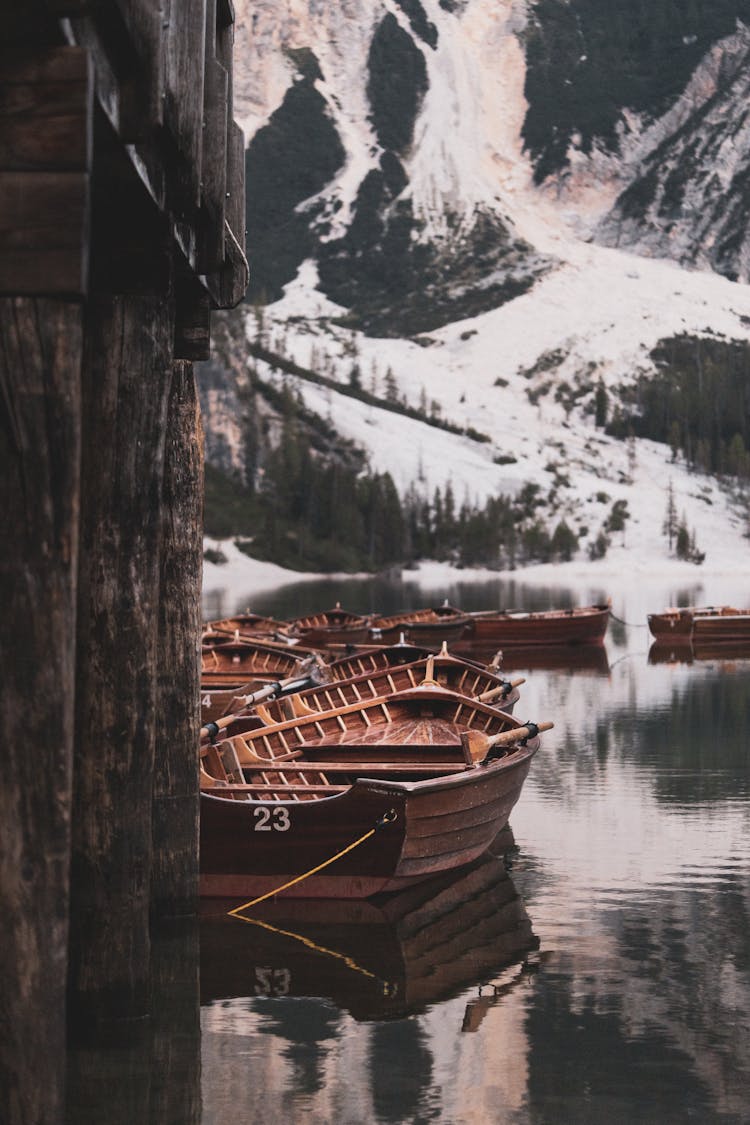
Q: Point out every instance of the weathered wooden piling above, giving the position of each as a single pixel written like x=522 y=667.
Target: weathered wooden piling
x=121 y=227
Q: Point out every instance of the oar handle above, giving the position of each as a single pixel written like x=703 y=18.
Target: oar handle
x=501 y=690
x=529 y=730
x=477 y=744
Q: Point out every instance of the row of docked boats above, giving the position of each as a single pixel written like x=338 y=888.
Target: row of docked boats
x=343 y=771
x=429 y=626
x=342 y=768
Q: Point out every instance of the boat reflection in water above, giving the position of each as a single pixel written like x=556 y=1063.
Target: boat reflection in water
x=688 y=652
x=582 y=658
x=382 y=958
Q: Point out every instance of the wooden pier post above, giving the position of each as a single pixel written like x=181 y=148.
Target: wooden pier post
x=121 y=228
x=174 y=877
x=40 y=436
x=126 y=382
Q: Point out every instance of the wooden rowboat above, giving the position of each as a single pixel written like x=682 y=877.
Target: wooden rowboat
x=583 y=625
x=391 y=790
x=233 y=664
x=331 y=627
x=358 y=659
x=442 y=670
x=422 y=626
x=704 y=623
x=247 y=624
x=219 y=702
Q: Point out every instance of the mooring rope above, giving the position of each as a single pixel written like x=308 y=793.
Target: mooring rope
x=313 y=945
x=629 y=624
x=386 y=818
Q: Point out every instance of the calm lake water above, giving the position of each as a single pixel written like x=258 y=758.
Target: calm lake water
x=598 y=971
x=604 y=976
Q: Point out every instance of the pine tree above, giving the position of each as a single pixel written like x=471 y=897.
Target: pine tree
x=669 y=527
x=601 y=404
x=682 y=539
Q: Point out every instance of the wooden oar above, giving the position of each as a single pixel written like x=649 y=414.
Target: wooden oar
x=502 y=690
x=478 y=745
x=270 y=691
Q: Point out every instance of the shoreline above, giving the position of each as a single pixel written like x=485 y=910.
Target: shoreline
x=241 y=576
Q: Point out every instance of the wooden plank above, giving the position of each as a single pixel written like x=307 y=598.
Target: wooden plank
x=235 y=208
x=44 y=233
x=174 y=881
x=228 y=285
x=185 y=36
x=40 y=443
x=42 y=209
x=46 y=144
x=214 y=187
x=226 y=791
x=427 y=765
x=142 y=99
x=225 y=13
x=192 y=338
x=127 y=374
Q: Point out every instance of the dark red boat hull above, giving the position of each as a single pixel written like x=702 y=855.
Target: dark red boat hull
x=249 y=848
x=555 y=627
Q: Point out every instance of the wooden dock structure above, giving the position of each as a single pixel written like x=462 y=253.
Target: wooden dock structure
x=122 y=220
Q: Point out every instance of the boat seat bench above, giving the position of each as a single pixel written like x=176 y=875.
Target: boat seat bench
x=358 y=767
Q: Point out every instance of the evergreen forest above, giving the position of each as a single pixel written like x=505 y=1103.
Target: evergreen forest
x=697 y=401
x=309 y=502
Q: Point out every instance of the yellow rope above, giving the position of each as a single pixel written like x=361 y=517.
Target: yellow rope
x=348 y=961
x=389 y=816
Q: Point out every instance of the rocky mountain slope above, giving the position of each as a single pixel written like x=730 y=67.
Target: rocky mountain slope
x=516 y=217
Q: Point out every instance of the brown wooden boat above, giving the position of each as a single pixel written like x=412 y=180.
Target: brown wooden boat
x=266 y=705
x=248 y=625
x=375 y=795
x=431 y=627
x=233 y=664
x=354 y=660
x=218 y=702
x=582 y=625
x=331 y=627
x=384 y=958
x=707 y=624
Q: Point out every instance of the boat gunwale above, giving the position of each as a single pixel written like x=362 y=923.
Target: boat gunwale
x=520 y=754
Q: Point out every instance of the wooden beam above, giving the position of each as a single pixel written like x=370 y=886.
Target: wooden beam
x=127 y=374
x=40 y=445
x=214 y=185
x=228 y=285
x=185 y=33
x=235 y=206
x=44 y=233
x=45 y=109
x=46 y=144
x=125 y=41
x=174 y=882
x=192 y=337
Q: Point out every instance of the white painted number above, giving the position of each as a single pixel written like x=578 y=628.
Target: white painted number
x=276 y=820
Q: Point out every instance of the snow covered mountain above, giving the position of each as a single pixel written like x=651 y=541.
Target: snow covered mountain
x=503 y=213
